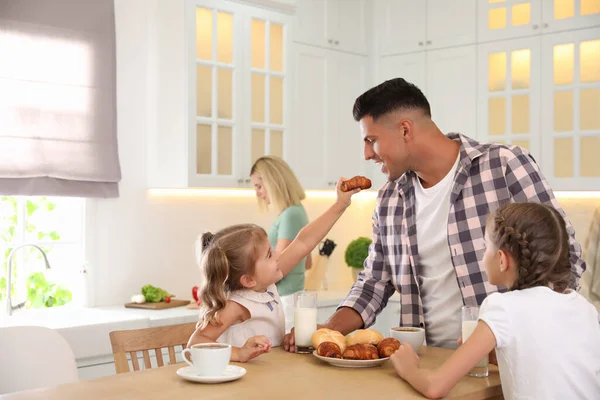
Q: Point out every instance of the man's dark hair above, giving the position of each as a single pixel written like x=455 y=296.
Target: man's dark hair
x=389 y=96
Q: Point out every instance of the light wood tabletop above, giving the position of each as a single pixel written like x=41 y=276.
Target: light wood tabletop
x=276 y=375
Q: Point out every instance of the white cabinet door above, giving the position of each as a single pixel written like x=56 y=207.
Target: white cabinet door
x=507 y=19
x=348 y=80
x=451 y=23
x=561 y=15
x=400 y=25
x=312 y=22
x=509 y=93
x=571 y=109
x=452 y=89
x=347 y=19
x=334 y=24
x=313 y=115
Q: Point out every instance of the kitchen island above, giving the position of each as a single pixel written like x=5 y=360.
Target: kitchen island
x=276 y=375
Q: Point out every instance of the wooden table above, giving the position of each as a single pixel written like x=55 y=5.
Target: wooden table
x=277 y=375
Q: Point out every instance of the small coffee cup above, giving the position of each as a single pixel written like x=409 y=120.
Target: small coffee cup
x=208 y=359
x=413 y=336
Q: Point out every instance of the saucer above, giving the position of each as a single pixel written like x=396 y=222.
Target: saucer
x=232 y=372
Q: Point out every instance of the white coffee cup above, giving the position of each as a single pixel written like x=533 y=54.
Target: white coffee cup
x=413 y=336
x=208 y=359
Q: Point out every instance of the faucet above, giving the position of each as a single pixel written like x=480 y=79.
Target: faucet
x=9 y=306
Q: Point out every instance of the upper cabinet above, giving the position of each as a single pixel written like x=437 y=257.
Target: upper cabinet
x=238 y=86
x=507 y=19
x=333 y=24
x=405 y=26
x=328 y=142
x=571 y=109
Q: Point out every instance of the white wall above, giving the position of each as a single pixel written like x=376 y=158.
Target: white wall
x=141 y=238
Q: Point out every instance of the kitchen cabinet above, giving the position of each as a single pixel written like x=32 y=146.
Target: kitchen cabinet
x=555 y=117
x=405 y=26
x=507 y=19
x=236 y=93
x=509 y=93
x=570 y=105
x=327 y=139
x=333 y=24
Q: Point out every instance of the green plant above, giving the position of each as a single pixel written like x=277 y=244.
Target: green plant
x=41 y=293
x=356 y=252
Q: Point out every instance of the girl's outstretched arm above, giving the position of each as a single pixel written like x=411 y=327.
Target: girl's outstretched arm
x=309 y=237
x=437 y=383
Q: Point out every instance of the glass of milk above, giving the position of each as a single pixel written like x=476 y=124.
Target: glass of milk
x=305 y=320
x=469 y=323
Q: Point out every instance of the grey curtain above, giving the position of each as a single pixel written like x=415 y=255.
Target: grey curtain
x=58 y=116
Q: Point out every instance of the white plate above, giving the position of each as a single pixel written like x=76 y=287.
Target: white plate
x=340 y=362
x=232 y=372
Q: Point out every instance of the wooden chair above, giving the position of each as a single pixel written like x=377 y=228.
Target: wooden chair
x=132 y=341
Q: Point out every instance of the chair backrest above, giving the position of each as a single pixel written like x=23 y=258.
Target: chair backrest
x=132 y=341
x=34 y=357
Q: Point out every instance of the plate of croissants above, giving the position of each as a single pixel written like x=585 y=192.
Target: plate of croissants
x=363 y=348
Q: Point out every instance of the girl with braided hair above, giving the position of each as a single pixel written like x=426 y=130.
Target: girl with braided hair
x=546 y=336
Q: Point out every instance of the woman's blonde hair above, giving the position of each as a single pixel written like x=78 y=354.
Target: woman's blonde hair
x=536 y=237
x=279 y=180
x=226 y=257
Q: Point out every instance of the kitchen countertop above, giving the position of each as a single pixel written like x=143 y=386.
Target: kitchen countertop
x=73 y=317
x=87 y=329
x=279 y=375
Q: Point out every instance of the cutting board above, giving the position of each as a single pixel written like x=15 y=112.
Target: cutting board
x=159 y=306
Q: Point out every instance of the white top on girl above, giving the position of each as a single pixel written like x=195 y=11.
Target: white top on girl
x=266 y=317
x=547 y=343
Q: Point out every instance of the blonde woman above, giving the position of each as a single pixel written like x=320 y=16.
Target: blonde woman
x=278 y=189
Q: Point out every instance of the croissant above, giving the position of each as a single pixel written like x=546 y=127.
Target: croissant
x=329 y=349
x=387 y=347
x=361 y=352
x=356 y=182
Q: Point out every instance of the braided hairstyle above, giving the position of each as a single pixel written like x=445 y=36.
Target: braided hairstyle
x=226 y=257
x=536 y=237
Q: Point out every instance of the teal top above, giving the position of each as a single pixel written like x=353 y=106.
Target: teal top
x=287 y=226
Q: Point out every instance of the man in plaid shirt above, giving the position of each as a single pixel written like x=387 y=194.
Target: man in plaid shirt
x=428 y=224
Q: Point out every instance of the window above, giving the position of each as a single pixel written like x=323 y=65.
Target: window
x=55 y=224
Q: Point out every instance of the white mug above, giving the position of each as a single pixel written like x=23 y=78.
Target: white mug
x=208 y=359
x=413 y=336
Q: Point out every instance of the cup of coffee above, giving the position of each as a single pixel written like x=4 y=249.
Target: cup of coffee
x=413 y=336
x=208 y=359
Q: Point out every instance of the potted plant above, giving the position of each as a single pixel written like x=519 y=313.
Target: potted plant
x=356 y=253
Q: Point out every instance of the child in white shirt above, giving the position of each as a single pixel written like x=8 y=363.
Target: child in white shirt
x=546 y=337
x=240 y=303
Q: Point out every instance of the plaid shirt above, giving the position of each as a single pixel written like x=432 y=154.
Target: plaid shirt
x=487 y=176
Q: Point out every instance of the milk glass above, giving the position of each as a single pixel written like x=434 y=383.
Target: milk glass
x=305 y=320
x=469 y=317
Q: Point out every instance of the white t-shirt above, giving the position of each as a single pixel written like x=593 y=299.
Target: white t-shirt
x=547 y=344
x=440 y=294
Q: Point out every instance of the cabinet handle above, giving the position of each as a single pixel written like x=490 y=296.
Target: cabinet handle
x=429 y=42
x=420 y=43
x=545 y=25
x=337 y=42
x=240 y=182
x=535 y=26
x=247 y=181
x=330 y=41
